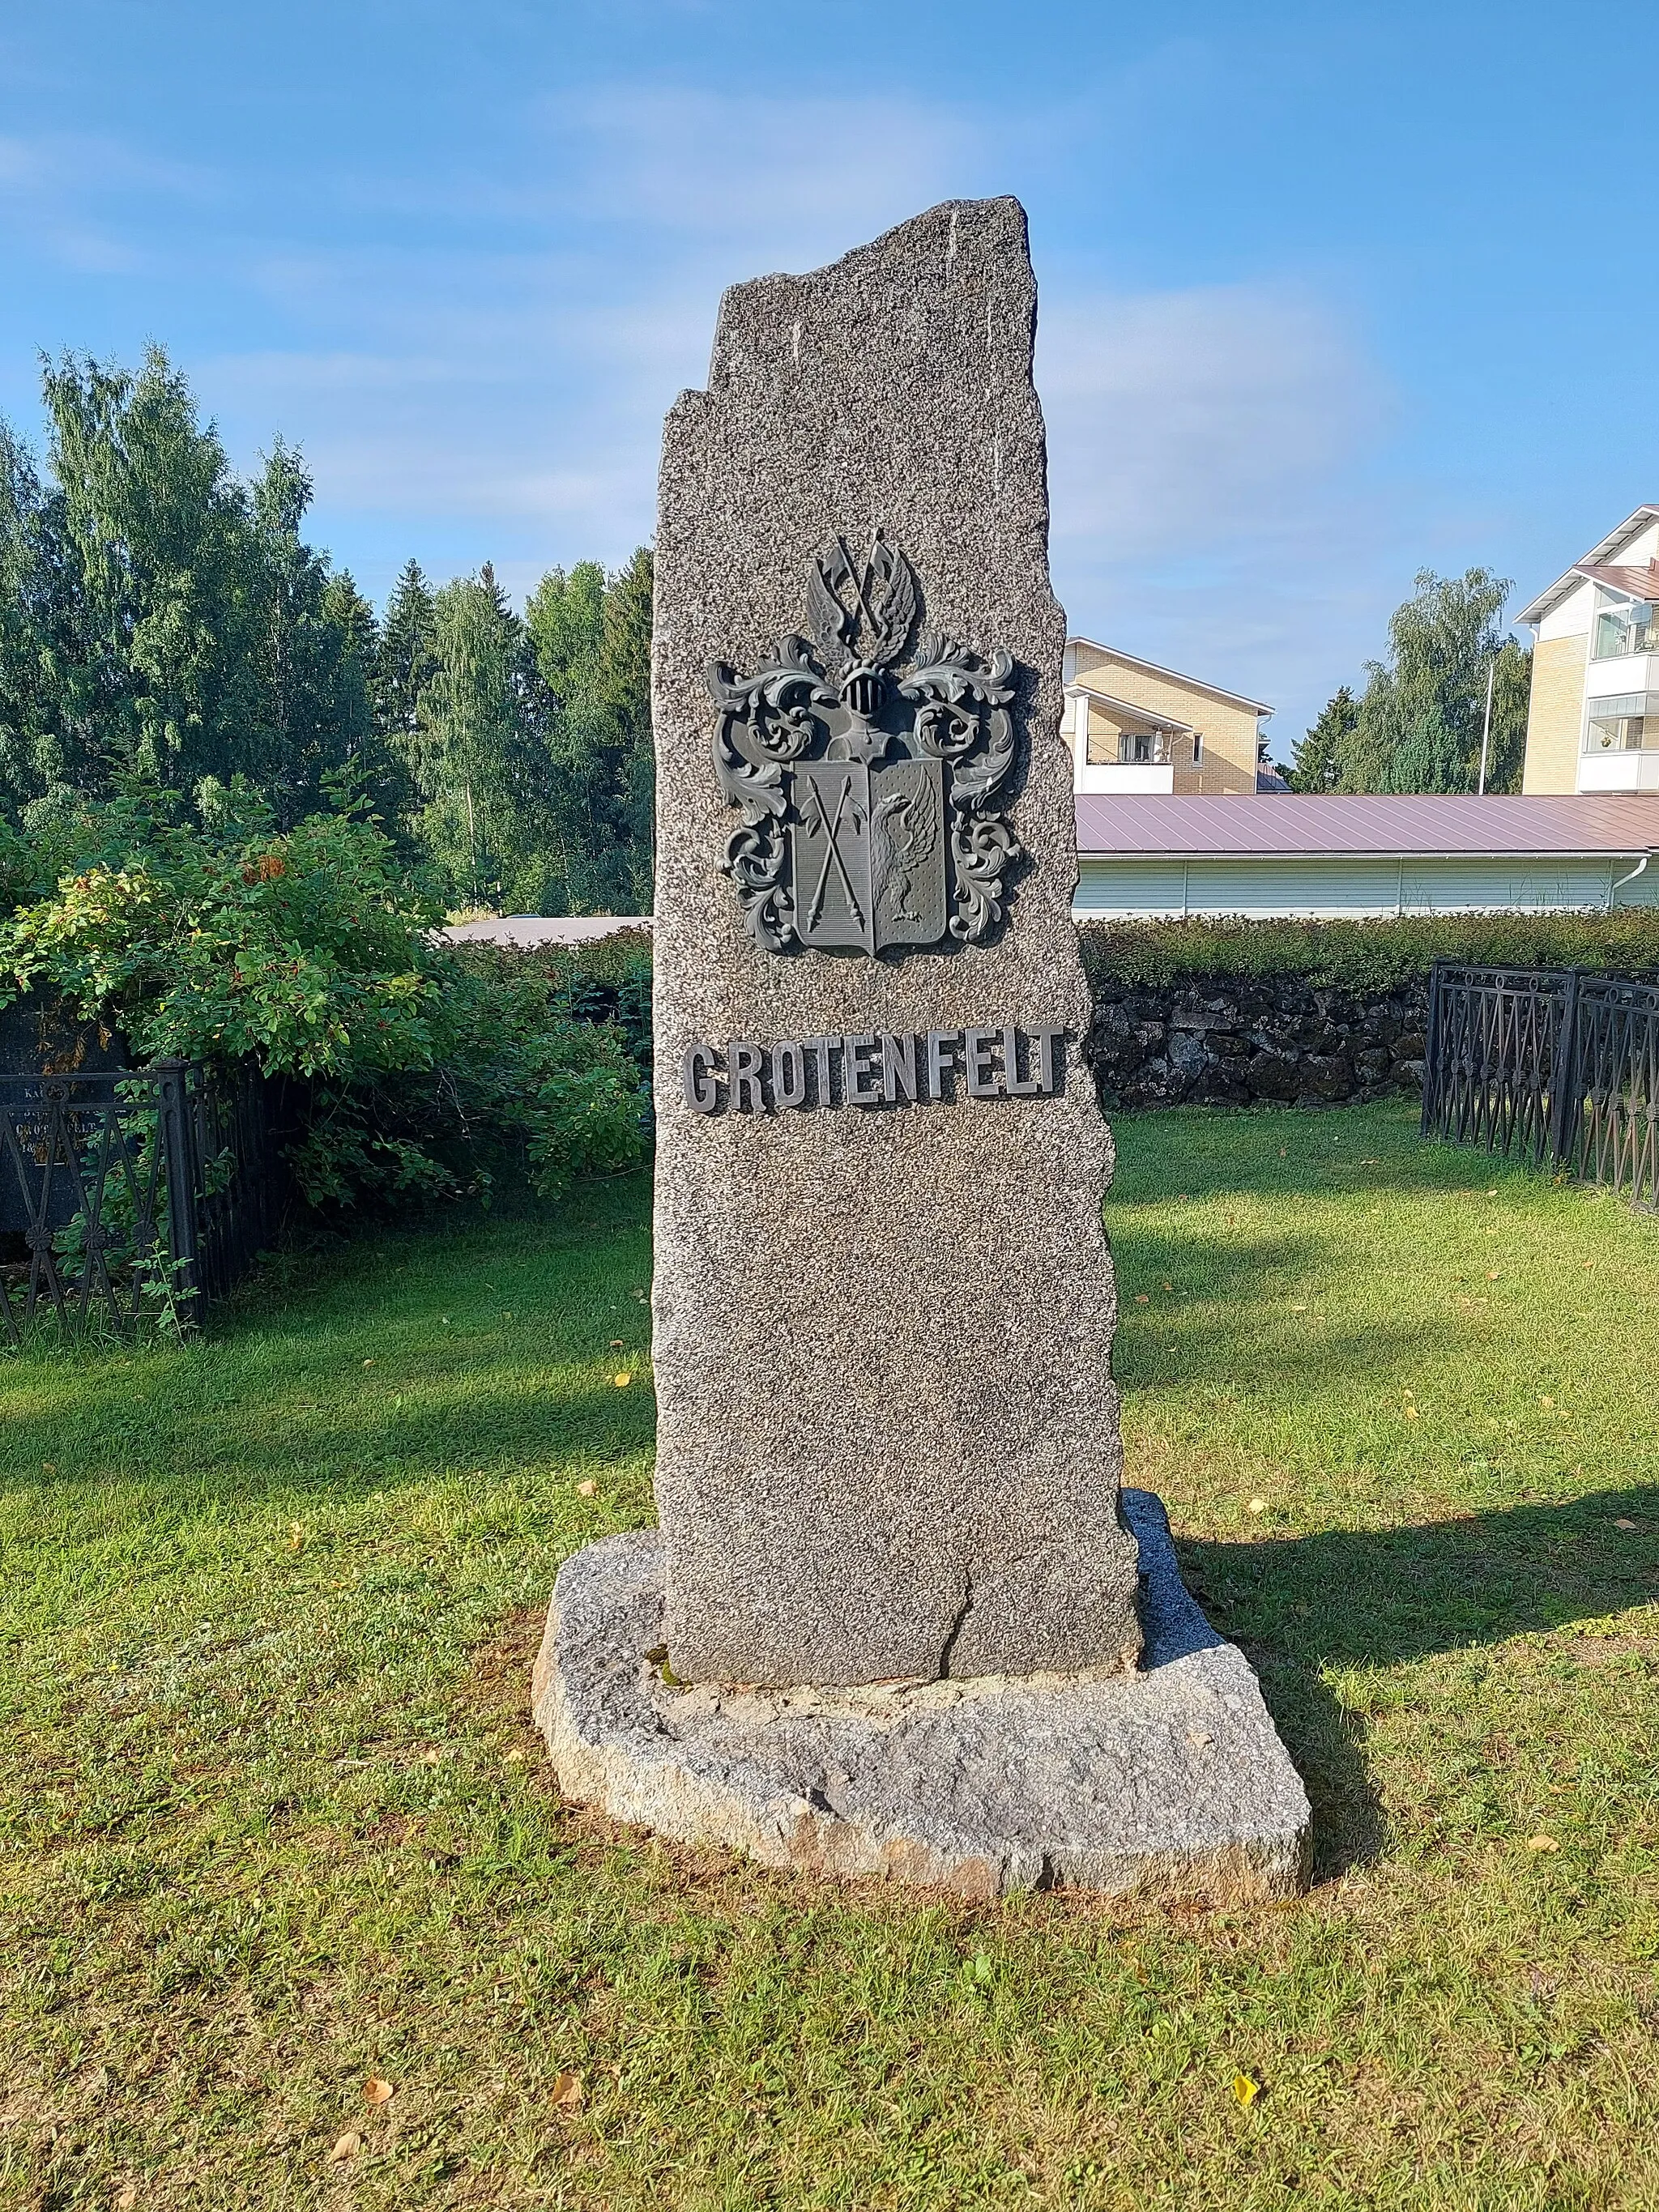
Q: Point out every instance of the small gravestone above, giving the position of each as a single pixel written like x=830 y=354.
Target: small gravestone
x=892 y=1618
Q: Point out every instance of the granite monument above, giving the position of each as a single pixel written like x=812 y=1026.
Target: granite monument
x=893 y=1616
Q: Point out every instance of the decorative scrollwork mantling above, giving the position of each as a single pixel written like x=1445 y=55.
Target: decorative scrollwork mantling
x=789 y=711
x=961 y=699
x=773 y=707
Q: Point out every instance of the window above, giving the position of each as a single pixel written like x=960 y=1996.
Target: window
x=1623 y=626
x=1144 y=749
x=1626 y=724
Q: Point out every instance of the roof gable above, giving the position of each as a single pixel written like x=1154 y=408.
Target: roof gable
x=1170 y=674
x=1605 y=553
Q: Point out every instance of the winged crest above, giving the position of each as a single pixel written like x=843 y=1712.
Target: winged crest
x=870 y=781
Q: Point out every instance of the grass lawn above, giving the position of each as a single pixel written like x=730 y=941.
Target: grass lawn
x=272 y=1825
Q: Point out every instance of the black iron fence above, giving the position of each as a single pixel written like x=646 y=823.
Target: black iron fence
x=1550 y=1065
x=134 y=1194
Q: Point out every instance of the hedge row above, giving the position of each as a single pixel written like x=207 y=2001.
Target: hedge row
x=611 y=978
x=1363 y=956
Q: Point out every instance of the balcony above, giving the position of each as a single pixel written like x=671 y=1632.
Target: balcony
x=1620 y=751
x=1145 y=762
x=1622 y=633
x=1120 y=747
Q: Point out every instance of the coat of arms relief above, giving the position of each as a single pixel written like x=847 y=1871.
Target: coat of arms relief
x=870 y=780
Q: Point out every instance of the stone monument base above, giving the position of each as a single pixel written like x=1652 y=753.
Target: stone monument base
x=1171 y=1783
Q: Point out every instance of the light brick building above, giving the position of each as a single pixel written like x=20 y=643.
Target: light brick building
x=1135 y=726
x=1593 y=724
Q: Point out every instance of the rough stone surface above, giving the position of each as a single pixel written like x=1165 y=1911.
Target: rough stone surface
x=1170 y=1782
x=1226 y=1041
x=888 y=1439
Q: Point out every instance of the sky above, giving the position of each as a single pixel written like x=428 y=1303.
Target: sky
x=1329 y=294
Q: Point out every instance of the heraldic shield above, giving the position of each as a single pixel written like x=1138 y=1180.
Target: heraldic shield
x=871 y=800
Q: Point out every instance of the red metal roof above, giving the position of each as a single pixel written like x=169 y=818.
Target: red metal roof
x=1637 y=583
x=1599 y=822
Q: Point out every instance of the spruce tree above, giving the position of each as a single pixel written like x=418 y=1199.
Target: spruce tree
x=404 y=657
x=1321 y=759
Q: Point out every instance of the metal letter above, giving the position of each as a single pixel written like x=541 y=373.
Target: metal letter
x=788 y=1075
x=1047 y=1069
x=820 y=1048
x=1011 y=1080
x=941 y=1058
x=697 y=1079
x=982 y=1075
x=860 y=1084
x=899 y=1067
x=743 y=1059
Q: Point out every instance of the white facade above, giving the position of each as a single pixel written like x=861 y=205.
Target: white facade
x=1607 y=607
x=1135 y=886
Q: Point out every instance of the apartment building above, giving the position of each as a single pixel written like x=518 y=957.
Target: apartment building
x=1135 y=727
x=1593 y=724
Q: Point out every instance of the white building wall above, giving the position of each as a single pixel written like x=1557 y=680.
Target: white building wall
x=1573 y=617
x=1292 y=884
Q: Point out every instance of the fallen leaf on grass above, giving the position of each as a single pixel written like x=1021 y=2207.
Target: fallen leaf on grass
x=370 y=1363
x=622 y=1382
x=616 y=1344
x=587 y=1489
x=377 y=2092
x=346 y=2146
x=514 y=1757
x=1245 y=2092
x=1542 y=1844
x=569 y=2095
x=1258 y=1505
x=127 y=2197
x=1411 y=1413
x=1623 y=1524
x=1491 y=1274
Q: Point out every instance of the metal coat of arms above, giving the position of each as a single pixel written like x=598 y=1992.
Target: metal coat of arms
x=872 y=800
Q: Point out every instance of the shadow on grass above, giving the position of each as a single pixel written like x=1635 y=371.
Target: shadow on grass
x=1249 y=1274
x=1301 y=1605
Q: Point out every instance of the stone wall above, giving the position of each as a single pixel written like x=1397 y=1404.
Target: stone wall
x=1230 y=1040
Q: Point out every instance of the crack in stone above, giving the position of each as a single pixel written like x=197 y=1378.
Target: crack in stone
x=957 y=1625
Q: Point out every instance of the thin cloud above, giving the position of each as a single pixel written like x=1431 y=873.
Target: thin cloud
x=1210 y=413
x=1213 y=510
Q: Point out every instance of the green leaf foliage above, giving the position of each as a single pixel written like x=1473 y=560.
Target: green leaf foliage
x=1418 y=724
x=429 y=1073
x=159 y=616
x=1366 y=956
x=163 y=618
x=590 y=635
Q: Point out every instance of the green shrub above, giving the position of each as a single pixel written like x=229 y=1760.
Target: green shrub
x=528 y=1085
x=429 y=1071
x=1370 y=956
x=607 y=980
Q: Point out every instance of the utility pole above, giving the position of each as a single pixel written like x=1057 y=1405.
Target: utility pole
x=1485 y=726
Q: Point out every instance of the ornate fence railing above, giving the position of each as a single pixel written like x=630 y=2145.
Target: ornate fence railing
x=1550 y=1065
x=128 y=1194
